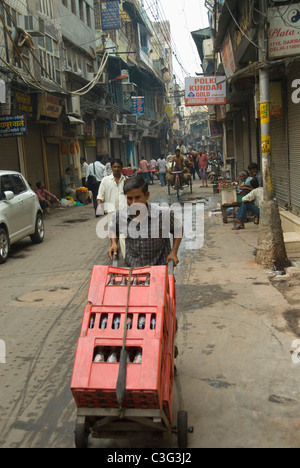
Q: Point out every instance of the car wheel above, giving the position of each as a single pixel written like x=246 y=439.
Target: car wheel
x=4 y=245
x=39 y=235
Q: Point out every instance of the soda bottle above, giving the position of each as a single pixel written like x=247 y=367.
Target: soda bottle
x=129 y=323
x=116 y=323
x=123 y=281
x=103 y=323
x=138 y=357
x=142 y=322
x=147 y=281
x=112 y=358
x=135 y=281
x=112 y=280
x=92 y=321
x=99 y=357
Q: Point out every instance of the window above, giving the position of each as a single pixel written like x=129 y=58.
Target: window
x=45 y=7
x=49 y=58
x=88 y=16
x=73 y=7
x=75 y=62
x=6 y=185
x=81 y=12
x=19 y=184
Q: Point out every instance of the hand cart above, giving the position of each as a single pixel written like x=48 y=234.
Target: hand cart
x=124 y=366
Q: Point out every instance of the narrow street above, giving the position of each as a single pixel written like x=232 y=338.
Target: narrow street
x=236 y=377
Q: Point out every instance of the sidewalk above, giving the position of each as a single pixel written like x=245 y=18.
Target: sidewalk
x=236 y=325
x=236 y=377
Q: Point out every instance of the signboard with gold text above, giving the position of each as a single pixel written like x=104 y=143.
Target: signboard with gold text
x=205 y=90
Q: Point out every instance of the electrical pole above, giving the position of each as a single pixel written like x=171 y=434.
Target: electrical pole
x=271 y=252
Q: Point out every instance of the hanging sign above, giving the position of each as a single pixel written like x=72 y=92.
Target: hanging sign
x=110 y=15
x=138 y=105
x=14 y=126
x=284 y=30
x=206 y=90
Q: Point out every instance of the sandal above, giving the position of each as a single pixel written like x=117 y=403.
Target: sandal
x=256 y=221
x=237 y=228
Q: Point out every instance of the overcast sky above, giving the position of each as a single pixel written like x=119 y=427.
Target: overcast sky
x=185 y=16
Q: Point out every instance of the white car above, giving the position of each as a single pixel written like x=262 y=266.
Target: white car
x=20 y=212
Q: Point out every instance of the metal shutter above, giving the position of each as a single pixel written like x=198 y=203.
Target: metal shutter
x=279 y=160
x=53 y=163
x=246 y=138
x=9 y=155
x=34 y=154
x=239 y=143
x=294 y=139
x=253 y=133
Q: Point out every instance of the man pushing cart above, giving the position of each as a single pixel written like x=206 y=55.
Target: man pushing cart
x=124 y=366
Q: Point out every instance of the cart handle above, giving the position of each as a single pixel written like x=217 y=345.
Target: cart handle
x=115 y=261
x=171 y=268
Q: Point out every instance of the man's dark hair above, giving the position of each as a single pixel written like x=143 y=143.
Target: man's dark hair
x=39 y=184
x=252 y=166
x=116 y=161
x=254 y=183
x=135 y=182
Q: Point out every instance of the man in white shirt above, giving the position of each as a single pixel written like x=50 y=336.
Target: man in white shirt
x=256 y=196
x=111 y=196
x=98 y=170
x=162 y=170
x=84 y=168
x=111 y=191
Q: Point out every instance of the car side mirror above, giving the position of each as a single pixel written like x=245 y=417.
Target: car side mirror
x=9 y=195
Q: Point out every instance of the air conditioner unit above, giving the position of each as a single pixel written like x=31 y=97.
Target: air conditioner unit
x=131 y=119
x=129 y=87
x=34 y=26
x=103 y=78
x=73 y=106
x=208 y=49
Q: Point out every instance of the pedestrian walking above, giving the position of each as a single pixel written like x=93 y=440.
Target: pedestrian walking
x=162 y=170
x=95 y=174
x=84 y=169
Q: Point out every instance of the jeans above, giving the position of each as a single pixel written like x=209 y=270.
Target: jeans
x=162 y=178
x=95 y=190
x=245 y=207
x=146 y=176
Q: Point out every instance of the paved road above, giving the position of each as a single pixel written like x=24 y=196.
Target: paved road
x=235 y=377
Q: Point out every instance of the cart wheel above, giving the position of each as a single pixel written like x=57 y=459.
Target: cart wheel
x=81 y=436
x=169 y=188
x=182 y=427
x=191 y=184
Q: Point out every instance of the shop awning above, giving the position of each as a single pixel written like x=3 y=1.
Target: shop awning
x=75 y=121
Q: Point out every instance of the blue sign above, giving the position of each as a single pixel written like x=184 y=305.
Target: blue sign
x=110 y=15
x=138 y=105
x=13 y=126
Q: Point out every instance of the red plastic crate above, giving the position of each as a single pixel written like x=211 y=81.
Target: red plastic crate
x=93 y=383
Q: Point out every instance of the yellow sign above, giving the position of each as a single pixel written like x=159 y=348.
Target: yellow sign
x=266 y=145
x=265 y=113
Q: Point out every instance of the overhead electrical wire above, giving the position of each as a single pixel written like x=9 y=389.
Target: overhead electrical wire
x=80 y=92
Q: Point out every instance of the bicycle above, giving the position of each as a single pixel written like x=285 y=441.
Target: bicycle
x=179 y=183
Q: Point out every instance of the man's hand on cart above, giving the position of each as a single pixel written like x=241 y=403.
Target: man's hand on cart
x=113 y=251
x=172 y=258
